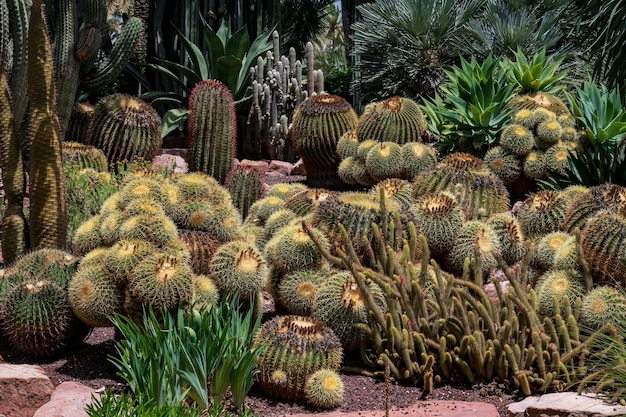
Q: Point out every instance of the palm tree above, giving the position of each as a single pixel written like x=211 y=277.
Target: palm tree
x=301 y=21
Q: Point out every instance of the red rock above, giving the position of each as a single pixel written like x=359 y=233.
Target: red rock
x=23 y=389
x=260 y=166
x=282 y=167
x=422 y=409
x=564 y=404
x=68 y=400
x=298 y=168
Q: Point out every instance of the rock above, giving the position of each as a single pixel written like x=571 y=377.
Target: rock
x=564 y=404
x=260 y=166
x=298 y=168
x=68 y=400
x=282 y=167
x=173 y=163
x=23 y=389
x=424 y=409
x=182 y=152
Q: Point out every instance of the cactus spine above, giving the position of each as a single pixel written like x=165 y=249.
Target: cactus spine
x=245 y=186
x=212 y=129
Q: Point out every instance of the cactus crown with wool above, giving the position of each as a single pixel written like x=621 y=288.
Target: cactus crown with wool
x=211 y=129
x=125 y=127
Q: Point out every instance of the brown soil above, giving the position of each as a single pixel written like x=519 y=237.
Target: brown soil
x=88 y=364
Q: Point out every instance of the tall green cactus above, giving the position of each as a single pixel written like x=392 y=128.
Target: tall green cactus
x=245 y=186
x=212 y=129
x=48 y=214
x=13 y=224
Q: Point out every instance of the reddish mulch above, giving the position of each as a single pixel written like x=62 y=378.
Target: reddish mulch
x=89 y=365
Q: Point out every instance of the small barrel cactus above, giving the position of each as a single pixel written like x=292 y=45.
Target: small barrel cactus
x=125 y=127
x=245 y=186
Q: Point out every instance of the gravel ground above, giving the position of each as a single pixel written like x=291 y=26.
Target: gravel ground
x=88 y=364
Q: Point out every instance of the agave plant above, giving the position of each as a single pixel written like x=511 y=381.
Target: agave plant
x=600 y=112
x=229 y=59
x=474 y=108
x=540 y=74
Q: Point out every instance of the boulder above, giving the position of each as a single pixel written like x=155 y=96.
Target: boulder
x=281 y=167
x=564 y=404
x=260 y=166
x=23 y=389
x=68 y=400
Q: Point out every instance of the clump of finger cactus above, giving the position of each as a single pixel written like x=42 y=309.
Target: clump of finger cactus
x=125 y=127
x=340 y=305
x=294 y=348
x=318 y=123
x=211 y=129
x=324 y=389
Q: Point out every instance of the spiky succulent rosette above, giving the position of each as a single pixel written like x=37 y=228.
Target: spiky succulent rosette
x=542 y=213
x=557 y=285
x=479 y=192
x=125 y=127
x=37 y=317
x=602 y=241
x=318 y=123
x=161 y=281
x=238 y=267
x=611 y=197
x=95 y=296
x=294 y=347
x=85 y=156
x=439 y=219
x=396 y=119
x=340 y=305
x=603 y=305
x=475 y=237
x=511 y=236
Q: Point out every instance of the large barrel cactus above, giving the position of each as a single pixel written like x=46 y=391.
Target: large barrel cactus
x=318 y=123
x=125 y=127
x=211 y=129
x=396 y=119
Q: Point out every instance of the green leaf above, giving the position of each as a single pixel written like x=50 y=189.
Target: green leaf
x=227 y=70
x=237 y=45
x=172 y=119
x=195 y=55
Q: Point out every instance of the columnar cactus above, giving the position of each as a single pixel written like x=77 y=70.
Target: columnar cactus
x=211 y=129
x=245 y=186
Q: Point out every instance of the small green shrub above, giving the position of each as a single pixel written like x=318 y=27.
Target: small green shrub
x=199 y=355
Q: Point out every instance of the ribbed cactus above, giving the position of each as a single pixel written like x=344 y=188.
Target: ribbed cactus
x=396 y=119
x=78 y=123
x=125 y=127
x=48 y=213
x=318 y=123
x=211 y=129
x=602 y=241
x=245 y=186
x=13 y=223
x=85 y=156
